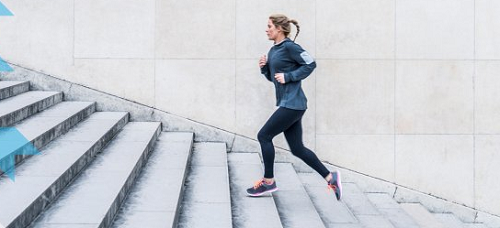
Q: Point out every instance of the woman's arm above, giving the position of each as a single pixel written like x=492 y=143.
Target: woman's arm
x=306 y=62
x=264 y=68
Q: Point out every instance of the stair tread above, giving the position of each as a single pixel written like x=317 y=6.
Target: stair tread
x=474 y=225
x=154 y=200
x=89 y=198
x=6 y=84
x=422 y=216
x=362 y=208
x=244 y=169
x=207 y=200
x=36 y=175
x=388 y=207
x=332 y=212
x=449 y=220
x=20 y=101
x=294 y=205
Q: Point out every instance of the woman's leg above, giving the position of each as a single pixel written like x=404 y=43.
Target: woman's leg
x=281 y=120
x=293 y=136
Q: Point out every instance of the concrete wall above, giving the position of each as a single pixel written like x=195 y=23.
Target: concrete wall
x=405 y=90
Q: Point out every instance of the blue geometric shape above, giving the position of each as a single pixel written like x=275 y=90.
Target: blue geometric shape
x=4 y=67
x=13 y=143
x=4 y=11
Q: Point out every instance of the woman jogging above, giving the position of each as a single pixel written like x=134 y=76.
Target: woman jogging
x=286 y=66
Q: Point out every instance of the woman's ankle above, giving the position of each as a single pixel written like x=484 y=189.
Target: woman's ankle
x=269 y=181
x=329 y=177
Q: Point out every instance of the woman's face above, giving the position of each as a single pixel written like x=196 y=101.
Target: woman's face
x=271 y=31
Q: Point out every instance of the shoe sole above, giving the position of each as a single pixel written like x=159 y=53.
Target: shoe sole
x=339 y=184
x=262 y=193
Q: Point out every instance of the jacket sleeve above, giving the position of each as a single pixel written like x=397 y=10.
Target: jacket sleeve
x=265 y=71
x=306 y=62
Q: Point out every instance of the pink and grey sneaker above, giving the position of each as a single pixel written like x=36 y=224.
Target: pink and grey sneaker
x=261 y=187
x=336 y=185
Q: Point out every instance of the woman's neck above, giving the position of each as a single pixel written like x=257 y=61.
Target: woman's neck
x=279 y=40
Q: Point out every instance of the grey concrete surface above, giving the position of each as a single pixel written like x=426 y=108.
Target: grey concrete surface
x=155 y=199
x=42 y=129
x=332 y=212
x=96 y=195
x=42 y=178
x=207 y=201
x=294 y=205
x=388 y=207
x=19 y=107
x=449 y=220
x=422 y=216
x=13 y=88
x=244 y=170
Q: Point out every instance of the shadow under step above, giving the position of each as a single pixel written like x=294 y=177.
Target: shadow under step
x=43 y=177
x=154 y=200
x=244 y=169
x=94 y=197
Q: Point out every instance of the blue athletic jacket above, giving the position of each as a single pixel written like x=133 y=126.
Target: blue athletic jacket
x=289 y=58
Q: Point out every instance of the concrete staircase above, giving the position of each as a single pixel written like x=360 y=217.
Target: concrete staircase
x=97 y=169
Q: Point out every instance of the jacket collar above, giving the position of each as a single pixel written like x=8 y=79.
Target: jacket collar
x=283 y=41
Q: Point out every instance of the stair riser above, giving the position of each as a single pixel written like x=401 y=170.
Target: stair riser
x=183 y=187
x=12 y=118
x=60 y=184
x=55 y=132
x=115 y=207
x=14 y=90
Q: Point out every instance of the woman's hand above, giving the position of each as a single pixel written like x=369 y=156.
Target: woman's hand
x=280 y=77
x=262 y=61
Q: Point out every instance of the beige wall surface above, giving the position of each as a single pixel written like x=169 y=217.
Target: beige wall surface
x=405 y=90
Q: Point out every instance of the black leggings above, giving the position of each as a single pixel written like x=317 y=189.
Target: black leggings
x=289 y=122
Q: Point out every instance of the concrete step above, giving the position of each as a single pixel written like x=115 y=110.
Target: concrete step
x=13 y=88
x=244 y=170
x=451 y=221
x=422 y=216
x=334 y=213
x=390 y=209
x=155 y=199
x=19 y=107
x=475 y=225
x=362 y=208
x=95 y=196
x=41 y=179
x=294 y=205
x=206 y=198
x=48 y=125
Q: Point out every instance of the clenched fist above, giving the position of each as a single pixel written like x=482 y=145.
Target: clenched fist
x=262 y=61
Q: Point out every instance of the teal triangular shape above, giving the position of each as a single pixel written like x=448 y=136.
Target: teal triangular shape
x=4 y=67
x=12 y=143
x=4 y=11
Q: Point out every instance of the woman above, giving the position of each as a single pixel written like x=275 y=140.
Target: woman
x=288 y=64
